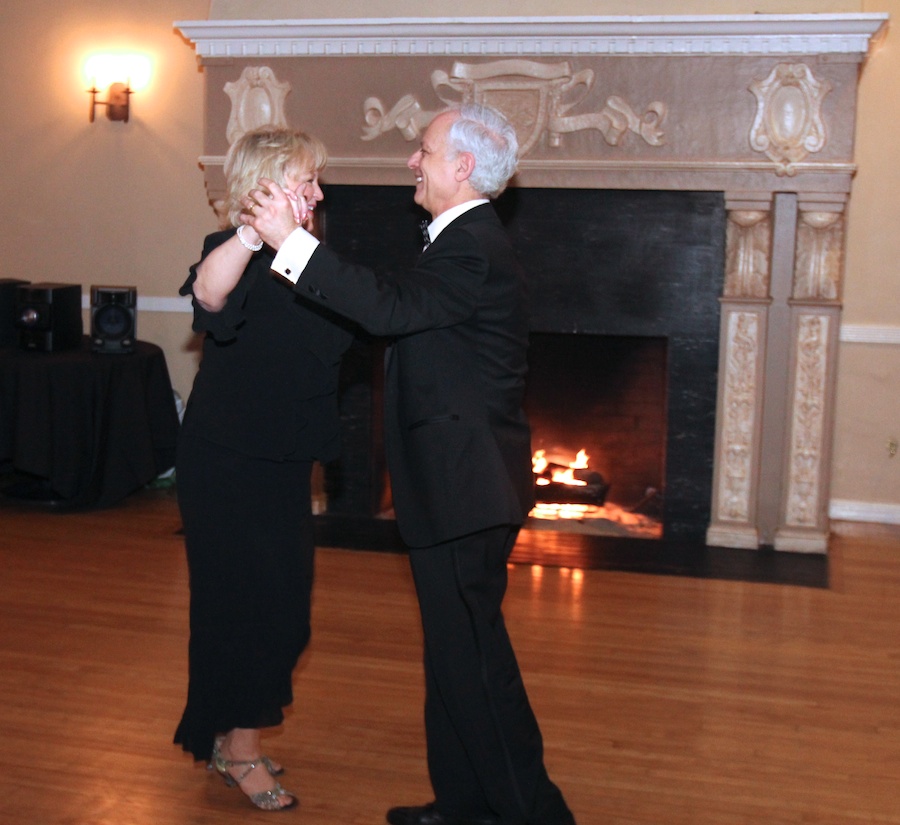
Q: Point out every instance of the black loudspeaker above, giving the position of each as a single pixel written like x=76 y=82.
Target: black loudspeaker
x=9 y=335
x=48 y=316
x=113 y=318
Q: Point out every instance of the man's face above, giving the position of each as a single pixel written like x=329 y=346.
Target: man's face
x=435 y=167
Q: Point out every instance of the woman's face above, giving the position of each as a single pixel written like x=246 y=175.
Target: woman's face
x=305 y=184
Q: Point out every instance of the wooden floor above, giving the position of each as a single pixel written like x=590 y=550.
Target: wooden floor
x=664 y=700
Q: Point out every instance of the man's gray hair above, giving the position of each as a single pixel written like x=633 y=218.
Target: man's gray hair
x=491 y=139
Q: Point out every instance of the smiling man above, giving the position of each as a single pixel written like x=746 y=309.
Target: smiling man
x=459 y=453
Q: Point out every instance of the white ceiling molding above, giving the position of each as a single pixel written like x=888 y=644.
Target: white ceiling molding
x=673 y=36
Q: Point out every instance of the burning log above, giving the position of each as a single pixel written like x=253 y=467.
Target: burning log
x=572 y=484
x=592 y=489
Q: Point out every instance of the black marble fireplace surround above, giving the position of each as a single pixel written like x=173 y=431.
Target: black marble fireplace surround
x=599 y=262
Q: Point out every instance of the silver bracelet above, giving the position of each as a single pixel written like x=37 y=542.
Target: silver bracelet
x=253 y=247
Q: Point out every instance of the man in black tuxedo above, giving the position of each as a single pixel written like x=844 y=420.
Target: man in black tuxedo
x=459 y=454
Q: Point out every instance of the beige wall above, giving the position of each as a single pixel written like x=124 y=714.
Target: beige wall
x=125 y=203
x=868 y=393
x=103 y=203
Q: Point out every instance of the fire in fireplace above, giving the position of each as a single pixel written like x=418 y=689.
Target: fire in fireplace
x=597 y=407
x=572 y=491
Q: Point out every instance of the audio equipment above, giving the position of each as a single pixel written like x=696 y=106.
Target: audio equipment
x=9 y=335
x=48 y=316
x=113 y=319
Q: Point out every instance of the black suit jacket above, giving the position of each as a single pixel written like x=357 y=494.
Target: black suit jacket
x=457 y=440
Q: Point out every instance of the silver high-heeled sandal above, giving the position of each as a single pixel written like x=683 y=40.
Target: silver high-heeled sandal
x=269 y=800
x=217 y=751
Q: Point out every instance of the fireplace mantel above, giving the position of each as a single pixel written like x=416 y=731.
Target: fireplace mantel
x=759 y=107
x=671 y=96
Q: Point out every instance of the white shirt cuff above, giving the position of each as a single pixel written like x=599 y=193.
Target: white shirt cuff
x=294 y=255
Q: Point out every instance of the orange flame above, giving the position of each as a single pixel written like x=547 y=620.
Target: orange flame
x=539 y=464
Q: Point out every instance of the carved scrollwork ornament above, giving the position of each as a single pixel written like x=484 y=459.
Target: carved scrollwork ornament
x=536 y=97
x=407 y=116
x=748 y=241
x=819 y=257
x=738 y=410
x=257 y=99
x=788 y=125
x=808 y=426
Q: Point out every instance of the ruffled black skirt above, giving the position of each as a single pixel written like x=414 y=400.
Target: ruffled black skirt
x=249 y=537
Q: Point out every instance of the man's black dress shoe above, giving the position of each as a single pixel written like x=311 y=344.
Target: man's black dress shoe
x=427 y=815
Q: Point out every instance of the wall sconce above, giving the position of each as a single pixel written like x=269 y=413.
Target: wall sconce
x=117 y=101
x=108 y=71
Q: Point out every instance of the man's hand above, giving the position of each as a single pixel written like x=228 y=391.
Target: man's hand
x=273 y=212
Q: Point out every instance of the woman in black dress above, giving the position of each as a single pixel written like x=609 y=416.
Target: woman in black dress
x=263 y=407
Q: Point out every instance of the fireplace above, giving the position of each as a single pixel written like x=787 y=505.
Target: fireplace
x=624 y=346
x=746 y=121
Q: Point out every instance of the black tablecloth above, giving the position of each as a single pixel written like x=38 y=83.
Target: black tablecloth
x=89 y=427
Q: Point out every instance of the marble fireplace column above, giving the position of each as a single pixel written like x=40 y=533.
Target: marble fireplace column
x=814 y=323
x=745 y=306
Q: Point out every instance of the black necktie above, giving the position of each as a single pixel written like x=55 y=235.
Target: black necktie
x=425 y=236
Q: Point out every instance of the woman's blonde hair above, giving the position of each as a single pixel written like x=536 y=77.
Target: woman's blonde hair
x=268 y=152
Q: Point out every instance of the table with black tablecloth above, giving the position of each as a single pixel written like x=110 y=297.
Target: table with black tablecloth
x=85 y=429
